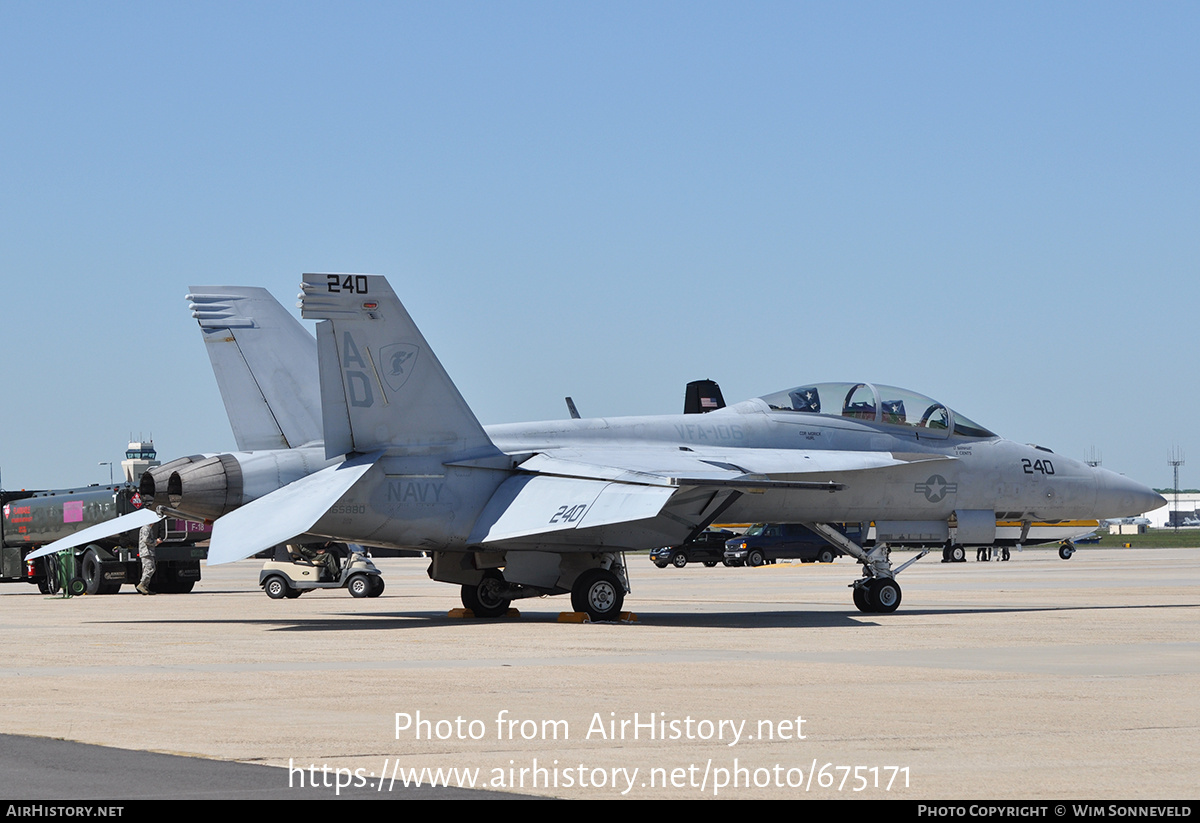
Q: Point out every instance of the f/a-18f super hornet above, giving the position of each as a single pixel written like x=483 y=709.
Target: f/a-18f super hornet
x=522 y=510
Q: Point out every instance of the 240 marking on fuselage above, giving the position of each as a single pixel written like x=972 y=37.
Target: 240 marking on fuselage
x=1036 y=466
x=569 y=514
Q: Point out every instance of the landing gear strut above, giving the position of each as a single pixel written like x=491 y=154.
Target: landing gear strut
x=877 y=591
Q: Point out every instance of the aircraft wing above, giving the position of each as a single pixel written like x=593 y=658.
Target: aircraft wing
x=527 y=506
x=734 y=467
x=119 y=525
x=584 y=490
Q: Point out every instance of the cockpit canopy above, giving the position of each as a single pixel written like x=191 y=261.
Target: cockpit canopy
x=877 y=404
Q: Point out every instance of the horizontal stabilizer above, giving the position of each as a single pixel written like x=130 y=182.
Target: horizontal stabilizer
x=119 y=525
x=281 y=515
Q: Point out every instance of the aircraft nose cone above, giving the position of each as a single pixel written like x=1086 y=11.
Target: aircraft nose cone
x=1118 y=496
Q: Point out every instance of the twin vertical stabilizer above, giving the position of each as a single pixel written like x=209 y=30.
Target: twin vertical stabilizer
x=382 y=387
x=265 y=364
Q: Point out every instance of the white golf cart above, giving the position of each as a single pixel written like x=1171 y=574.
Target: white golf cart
x=289 y=574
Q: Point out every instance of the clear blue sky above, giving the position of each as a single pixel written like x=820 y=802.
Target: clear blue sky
x=997 y=205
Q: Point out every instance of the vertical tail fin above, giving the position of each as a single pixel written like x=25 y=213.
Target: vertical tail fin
x=381 y=384
x=265 y=363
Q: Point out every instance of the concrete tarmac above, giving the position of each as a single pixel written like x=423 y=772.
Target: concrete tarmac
x=42 y=769
x=1033 y=679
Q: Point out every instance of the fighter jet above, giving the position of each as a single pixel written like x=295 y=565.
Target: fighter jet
x=523 y=510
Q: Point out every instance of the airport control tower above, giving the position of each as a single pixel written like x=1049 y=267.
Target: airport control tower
x=139 y=457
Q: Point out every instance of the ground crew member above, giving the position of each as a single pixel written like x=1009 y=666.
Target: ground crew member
x=322 y=558
x=148 y=539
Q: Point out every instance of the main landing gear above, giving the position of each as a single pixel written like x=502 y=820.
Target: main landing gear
x=486 y=598
x=954 y=554
x=598 y=591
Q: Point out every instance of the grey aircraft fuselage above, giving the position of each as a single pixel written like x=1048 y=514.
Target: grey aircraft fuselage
x=987 y=473
x=417 y=502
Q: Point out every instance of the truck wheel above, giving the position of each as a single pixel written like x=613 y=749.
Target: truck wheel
x=755 y=558
x=359 y=586
x=93 y=575
x=53 y=580
x=170 y=579
x=276 y=587
x=826 y=556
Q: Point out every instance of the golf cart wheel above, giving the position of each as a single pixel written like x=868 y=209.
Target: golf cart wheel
x=359 y=586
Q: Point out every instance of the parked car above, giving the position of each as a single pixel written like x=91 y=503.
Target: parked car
x=768 y=542
x=708 y=548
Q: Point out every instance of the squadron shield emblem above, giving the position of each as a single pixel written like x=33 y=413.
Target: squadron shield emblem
x=397 y=363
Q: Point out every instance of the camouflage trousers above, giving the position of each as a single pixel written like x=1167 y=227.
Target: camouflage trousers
x=148 y=567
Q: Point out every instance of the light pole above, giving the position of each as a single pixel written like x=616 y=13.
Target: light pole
x=1175 y=462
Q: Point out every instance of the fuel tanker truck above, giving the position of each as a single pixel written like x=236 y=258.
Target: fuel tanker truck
x=32 y=519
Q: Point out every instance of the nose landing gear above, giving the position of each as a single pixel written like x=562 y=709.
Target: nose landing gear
x=877 y=595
